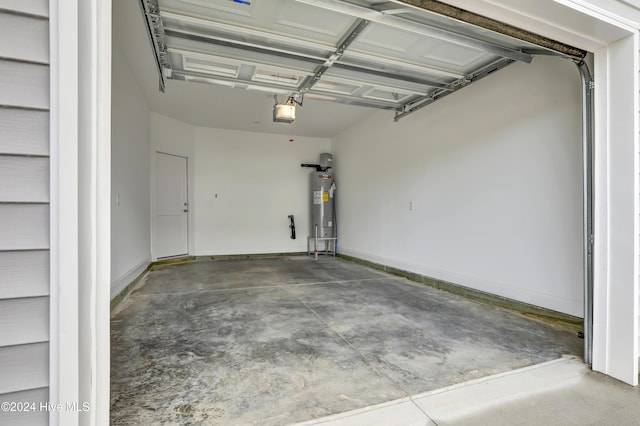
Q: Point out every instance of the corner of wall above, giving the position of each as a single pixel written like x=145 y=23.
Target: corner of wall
x=121 y=283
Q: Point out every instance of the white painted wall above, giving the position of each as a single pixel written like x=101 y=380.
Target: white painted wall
x=130 y=177
x=609 y=29
x=494 y=172
x=259 y=183
x=171 y=136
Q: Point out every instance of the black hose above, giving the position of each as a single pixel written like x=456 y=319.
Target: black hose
x=292 y=225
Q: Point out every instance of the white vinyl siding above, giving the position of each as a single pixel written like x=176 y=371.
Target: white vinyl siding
x=37 y=396
x=24 y=179
x=24 y=207
x=24 y=132
x=24 y=367
x=24 y=274
x=24 y=85
x=24 y=38
x=24 y=320
x=37 y=8
x=24 y=226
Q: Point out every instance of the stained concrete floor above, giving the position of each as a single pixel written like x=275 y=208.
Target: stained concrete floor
x=286 y=340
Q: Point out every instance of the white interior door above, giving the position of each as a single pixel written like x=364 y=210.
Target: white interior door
x=171 y=221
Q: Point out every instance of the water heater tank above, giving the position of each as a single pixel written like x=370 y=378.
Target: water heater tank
x=322 y=204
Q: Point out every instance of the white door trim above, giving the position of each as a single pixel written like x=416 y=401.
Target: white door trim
x=188 y=206
x=616 y=187
x=95 y=29
x=64 y=324
x=616 y=216
x=80 y=138
x=94 y=130
x=602 y=13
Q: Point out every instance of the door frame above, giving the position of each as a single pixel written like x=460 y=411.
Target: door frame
x=153 y=189
x=185 y=153
x=88 y=260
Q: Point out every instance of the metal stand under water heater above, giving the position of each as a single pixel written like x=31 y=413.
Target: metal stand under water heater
x=323 y=226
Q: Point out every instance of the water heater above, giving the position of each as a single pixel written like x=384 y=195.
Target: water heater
x=322 y=191
x=322 y=188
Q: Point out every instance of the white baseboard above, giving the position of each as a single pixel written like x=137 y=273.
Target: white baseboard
x=529 y=296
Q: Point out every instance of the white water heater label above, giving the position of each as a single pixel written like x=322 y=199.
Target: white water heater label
x=317 y=197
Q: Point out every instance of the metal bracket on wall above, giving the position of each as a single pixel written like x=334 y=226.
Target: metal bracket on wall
x=452 y=87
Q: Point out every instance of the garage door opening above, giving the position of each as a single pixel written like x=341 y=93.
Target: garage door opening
x=491 y=204
x=398 y=56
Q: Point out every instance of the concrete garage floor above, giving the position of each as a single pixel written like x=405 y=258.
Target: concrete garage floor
x=286 y=340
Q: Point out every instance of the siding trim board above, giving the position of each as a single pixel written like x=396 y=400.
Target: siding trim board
x=638 y=219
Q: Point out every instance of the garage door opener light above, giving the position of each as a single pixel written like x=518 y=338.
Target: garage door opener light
x=285 y=112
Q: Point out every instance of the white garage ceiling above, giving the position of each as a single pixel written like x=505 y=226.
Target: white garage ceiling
x=358 y=53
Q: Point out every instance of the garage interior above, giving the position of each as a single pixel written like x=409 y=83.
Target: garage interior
x=481 y=189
